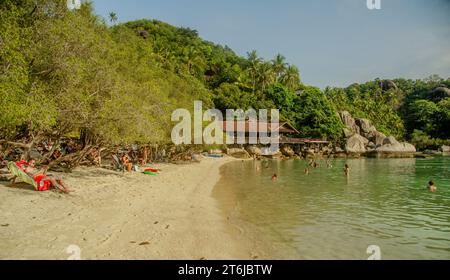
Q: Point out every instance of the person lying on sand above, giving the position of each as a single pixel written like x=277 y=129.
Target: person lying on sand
x=432 y=187
x=55 y=182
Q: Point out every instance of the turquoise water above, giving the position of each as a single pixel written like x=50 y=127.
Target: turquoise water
x=325 y=215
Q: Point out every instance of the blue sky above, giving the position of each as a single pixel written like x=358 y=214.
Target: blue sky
x=333 y=42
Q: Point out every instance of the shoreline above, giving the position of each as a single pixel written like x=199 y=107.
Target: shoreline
x=122 y=216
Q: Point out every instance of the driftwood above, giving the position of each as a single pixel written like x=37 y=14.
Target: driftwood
x=72 y=160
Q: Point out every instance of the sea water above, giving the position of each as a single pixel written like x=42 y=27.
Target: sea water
x=327 y=215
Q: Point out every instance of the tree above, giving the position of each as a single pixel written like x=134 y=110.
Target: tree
x=113 y=17
x=424 y=115
x=291 y=78
x=266 y=76
x=279 y=66
x=253 y=67
x=316 y=116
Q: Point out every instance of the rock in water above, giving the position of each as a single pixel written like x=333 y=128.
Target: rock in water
x=445 y=149
x=397 y=148
x=356 y=144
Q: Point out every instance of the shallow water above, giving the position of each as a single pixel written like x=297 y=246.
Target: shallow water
x=325 y=215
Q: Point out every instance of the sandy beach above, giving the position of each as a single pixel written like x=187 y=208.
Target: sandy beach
x=123 y=216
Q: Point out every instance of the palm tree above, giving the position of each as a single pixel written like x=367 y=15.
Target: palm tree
x=279 y=65
x=113 y=17
x=266 y=75
x=194 y=62
x=291 y=77
x=254 y=62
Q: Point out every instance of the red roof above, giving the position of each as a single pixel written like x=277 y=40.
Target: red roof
x=247 y=125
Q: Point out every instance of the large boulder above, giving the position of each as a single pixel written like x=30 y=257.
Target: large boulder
x=388 y=85
x=350 y=123
x=390 y=141
x=439 y=93
x=367 y=129
x=287 y=151
x=356 y=144
x=238 y=153
x=397 y=148
x=254 y=151
x=445 y=149
x=378 y=138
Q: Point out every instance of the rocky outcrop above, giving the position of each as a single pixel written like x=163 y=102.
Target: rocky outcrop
x=367 y=129
x=254 y=151
x=287 y=151
x=350 y=124
x=397 y=148
x=387 y=85
x=366 y=139
x=390 y=141
x=238 y=153
x=445 y=149
x=378 y=138
x=356 y=144
x=440 y=93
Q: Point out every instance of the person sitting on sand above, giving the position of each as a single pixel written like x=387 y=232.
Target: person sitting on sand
x=127 y=162
x=55 y=182
x=95 y=157
x=347 y=170
x=432 y=187
x=274 y=177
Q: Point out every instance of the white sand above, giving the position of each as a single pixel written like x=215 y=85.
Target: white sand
x=172 y=216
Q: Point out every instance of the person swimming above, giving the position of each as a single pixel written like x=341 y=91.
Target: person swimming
x=329 y=164
x=432 y=187
x=274 y=177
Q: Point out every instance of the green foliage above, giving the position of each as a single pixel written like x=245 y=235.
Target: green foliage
x=63 y=72
x=370 y=101
x=424 y=115
x=316 y=115
x=423 y=141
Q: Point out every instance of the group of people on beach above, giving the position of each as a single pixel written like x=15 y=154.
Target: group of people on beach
x=126 y=160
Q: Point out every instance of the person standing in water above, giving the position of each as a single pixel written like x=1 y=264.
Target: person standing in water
x=432 y=187
x=347 y=170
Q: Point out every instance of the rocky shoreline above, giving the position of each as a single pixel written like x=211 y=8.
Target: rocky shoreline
x=362 y=139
